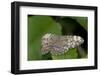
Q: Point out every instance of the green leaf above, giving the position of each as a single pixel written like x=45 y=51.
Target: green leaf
x=37 y=27
x=47 y=56
x=71 y=54
x=83 y=21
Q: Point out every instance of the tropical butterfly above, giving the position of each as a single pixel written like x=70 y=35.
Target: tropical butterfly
x=58 y=45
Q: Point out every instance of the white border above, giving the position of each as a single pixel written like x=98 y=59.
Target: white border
x=26 y=65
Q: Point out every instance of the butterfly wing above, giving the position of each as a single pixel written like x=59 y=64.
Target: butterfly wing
x=60 y=44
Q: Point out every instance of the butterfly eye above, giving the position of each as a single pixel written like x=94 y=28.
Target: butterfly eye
x=58 y=45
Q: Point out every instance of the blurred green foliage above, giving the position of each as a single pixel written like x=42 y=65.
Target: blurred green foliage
x=71 y=54
x=39 y=26
x=82 y=20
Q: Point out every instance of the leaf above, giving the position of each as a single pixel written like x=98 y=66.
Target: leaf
x=81 y=52
x=47 y=56
x=37 y=27
x=71 y=54
x=83 y=21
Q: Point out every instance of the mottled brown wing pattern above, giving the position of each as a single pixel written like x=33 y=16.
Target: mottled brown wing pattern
x=57 y=45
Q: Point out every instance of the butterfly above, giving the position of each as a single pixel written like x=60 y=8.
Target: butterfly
x=57 y=44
